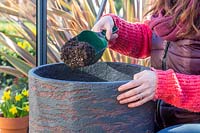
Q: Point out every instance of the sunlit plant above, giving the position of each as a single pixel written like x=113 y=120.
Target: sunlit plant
x=65 y=20
x=14 y=103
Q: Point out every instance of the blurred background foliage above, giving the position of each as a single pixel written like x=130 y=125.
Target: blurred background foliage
x=66 y=18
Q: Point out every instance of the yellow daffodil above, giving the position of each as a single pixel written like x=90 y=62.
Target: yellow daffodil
x=3 y=98
x=26 y=108
x=13 y=110
x=20 y=44
x=25 y=93
x=6 y=95
x=26 y=44
x=18 y=97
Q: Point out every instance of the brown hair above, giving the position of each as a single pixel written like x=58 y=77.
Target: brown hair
x=184 y=11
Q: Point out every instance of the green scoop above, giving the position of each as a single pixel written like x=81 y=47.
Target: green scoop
x=85 y=49
x=97 y=40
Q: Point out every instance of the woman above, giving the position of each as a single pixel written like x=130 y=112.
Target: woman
x=172 y=38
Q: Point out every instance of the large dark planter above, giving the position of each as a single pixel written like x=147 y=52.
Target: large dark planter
x=84 y=100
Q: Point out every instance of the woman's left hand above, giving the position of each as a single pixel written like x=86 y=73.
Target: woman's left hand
x=140 y=90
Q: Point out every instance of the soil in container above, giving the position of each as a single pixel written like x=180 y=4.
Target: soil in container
x=77 y=54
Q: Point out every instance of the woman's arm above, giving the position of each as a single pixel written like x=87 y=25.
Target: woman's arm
x=179 y=90
x=133 y=40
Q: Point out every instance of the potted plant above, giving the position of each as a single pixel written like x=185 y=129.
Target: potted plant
x=14 y=107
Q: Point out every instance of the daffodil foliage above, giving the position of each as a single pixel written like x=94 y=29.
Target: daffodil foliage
x=14 y=103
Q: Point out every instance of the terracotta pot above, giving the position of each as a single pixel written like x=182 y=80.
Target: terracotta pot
x=14 y=125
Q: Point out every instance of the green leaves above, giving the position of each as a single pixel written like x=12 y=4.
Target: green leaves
x=6 y=41
x=14 y=104
x=11 y=70
x=19 y=64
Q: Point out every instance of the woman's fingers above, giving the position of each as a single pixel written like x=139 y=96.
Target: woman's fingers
x=105 y=23
x=140 y=102
x=132 y=92
x=129 y=85
x=138 y=75
x=140 y=90
x=96 y=29
x=98 y=26
x=136 y=97
x=108 y=28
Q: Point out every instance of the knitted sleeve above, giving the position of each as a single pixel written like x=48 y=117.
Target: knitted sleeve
x=180 y=90
x=133 y=40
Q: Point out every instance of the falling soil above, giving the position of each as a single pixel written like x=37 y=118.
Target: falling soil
x=77 y=54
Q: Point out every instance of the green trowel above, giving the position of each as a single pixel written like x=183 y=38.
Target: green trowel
x=97 y=40
x=75 y=54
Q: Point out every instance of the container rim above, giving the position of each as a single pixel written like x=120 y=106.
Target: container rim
x=32 y=74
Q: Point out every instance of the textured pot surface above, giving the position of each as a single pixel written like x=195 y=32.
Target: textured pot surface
x=14 y=125
x=84 y=100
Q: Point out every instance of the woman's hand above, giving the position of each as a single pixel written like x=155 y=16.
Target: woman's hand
x=105 y=23
x=140 y=90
